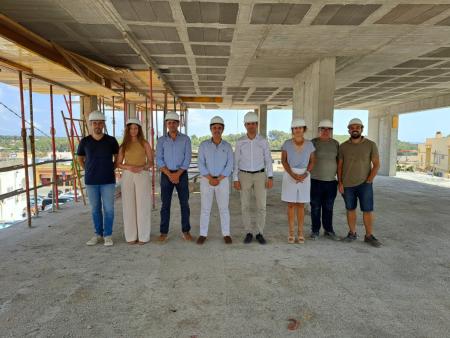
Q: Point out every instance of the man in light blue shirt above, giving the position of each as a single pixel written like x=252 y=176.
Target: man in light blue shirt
x=173 y=157
x=215 y=162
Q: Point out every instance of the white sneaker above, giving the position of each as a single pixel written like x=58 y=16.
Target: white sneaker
x=94 y=240
x=108 y=241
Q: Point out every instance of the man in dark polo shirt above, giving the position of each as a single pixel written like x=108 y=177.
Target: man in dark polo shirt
x=96 y=154
x=357 y=167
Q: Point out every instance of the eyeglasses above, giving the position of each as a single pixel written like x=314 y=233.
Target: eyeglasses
x=326 y=129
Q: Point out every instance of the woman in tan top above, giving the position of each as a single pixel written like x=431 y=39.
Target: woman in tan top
x=135 y=159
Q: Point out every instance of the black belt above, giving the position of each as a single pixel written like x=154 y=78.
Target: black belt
x=214 y=176
x=252 y=172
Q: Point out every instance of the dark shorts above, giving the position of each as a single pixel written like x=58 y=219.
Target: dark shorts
x=363 y=193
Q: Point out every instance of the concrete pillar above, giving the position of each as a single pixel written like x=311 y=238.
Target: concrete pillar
x=383 y=130
x=132 y=113
x=262 y=125
x=313 y=97
x=87 y=105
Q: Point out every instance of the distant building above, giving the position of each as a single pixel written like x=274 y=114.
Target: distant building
x=11 y=208
x=434 y=155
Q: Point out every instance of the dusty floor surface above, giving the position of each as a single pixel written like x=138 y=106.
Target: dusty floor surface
x=51 y=284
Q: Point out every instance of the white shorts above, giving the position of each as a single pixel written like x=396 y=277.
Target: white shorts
x=294 y=192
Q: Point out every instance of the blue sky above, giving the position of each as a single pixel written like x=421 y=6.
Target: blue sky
x=414 y=127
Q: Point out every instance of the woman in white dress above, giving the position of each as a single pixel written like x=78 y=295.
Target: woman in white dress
x=298 y=159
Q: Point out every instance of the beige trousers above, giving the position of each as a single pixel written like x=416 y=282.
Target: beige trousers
x=136 y=202
x=253 y=183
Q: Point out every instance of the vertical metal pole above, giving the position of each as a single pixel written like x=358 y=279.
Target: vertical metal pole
x=52 y=133
x=25 y=150
x=103 y=105
x=146 y=119
x=165 y=105
x=33 y=145
x=72 y=140
x=125 y=108
x=185 y=121
x=114 y=118
x=152 y=133
x=156 y=121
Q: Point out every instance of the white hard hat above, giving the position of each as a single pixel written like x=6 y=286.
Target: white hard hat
x=217 y=120
x=298 y=122
x=134 y=121
x=251 y=117
x=96 y=116
x=326 y=124
x=172 y=116
x=355 y=121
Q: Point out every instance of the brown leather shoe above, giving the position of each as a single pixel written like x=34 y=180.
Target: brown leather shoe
x=162 y=238
x=227 y=240
x=187 y=236
x=201 y=240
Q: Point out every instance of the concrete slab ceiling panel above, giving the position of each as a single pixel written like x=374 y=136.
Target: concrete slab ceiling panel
x=395 y=71
x=109 y=48
x=344 y=14
x=164 y=48
x=210 y=50
x=209 y=12
x=166 y=60
x=96 y=31
x=213 y=62
x=443 y=52
x=201 y=34
x=155 y=33
x=178 y=70
x=417 y=63
x=179 y=77
x=143 y=10
x=25 y=11
x=279 y=14
x=211 y=70
x=211 y=77
x=412 y=14
x=50 y=30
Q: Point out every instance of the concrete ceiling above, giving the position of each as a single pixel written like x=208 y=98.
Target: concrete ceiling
x=249 y=51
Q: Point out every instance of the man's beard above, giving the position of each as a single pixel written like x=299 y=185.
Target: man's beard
x=98 y=130
x=355 y=135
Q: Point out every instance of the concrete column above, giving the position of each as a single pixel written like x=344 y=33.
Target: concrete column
x=87 y=105
x=313 y=97
x=383 y=130
x=132 y=113
x=262 y=125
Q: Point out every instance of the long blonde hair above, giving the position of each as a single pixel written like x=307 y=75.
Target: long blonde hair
x=127 y=137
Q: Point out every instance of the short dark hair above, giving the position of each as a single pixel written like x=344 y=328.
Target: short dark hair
x=305 y=128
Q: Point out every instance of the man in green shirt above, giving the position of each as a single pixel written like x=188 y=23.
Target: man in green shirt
x=358 y=165
x=323 y=181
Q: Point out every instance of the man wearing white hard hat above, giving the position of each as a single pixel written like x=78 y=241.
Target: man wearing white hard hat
x=357 y=167
x=96 y=154
x=253 y=172
x=173 y=157
x=323 y=181
x=135 y=159
x=298 y=158
x=215 y=162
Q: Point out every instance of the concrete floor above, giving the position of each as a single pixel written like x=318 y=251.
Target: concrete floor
x=53 y=285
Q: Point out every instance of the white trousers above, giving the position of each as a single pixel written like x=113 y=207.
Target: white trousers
x=136 y=202
x=222 y=193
